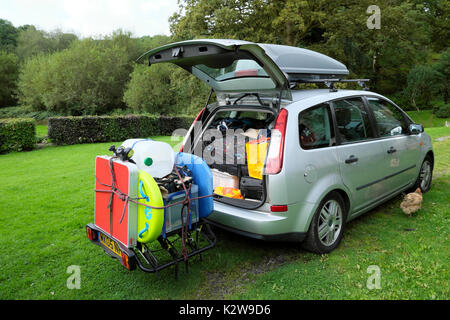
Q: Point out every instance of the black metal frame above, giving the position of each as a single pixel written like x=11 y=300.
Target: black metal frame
x=152 y=265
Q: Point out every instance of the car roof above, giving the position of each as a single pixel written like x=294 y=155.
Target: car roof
x=310 y=97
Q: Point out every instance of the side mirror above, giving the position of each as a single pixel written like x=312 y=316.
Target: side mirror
x=415 y=128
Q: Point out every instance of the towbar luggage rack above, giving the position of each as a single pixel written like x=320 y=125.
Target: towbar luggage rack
x=330 y=82
x=148 y=261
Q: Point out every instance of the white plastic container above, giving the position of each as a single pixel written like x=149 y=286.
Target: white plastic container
x=154 y=157
x=224 y=179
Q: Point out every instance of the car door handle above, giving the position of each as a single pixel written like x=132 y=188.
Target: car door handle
x=391 y=150
x=351 y=159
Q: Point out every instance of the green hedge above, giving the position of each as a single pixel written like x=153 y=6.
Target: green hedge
x=17 y=134
x=88 y=129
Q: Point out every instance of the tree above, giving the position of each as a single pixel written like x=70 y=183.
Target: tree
x=442 y=68
x=164 y=89
x=438 y=13
x=8 y=77
x=87 y=78
x=8 y=36
x=123 y=39
x=149 y=89
x=32 y=41
x=384 y=55
x=147 y=43
x=335 y=28
x=237 y=19
x=422 y=82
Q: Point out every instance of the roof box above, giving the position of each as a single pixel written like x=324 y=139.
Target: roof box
x=303 y=64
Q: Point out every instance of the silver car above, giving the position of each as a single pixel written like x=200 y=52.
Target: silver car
x=332 y=154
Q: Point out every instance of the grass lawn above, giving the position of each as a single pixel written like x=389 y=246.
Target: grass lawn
x=427 y=118
x=48 y=198
x=41 y=130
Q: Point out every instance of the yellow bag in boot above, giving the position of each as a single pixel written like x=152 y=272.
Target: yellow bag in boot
x=256 y=156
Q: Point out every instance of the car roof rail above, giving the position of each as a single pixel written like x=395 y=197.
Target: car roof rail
x=330 y=82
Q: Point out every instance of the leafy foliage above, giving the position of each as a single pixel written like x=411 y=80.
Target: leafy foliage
x=164 y=89
x=31 y=41
x=422 y=82
x=87 y=78
x=75 y=130
x=336 y=28
x=407 y=59
x=9 y=71
x=8 y=36
x=443 y=111
x=149 y=89
x=17 y=134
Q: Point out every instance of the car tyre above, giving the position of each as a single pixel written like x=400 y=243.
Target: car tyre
x=425 y=176
x=327 y=225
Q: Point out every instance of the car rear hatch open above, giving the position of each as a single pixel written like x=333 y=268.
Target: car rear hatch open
x=239 y=71
x=233 y=67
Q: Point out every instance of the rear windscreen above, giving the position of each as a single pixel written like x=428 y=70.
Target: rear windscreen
x=237 y=69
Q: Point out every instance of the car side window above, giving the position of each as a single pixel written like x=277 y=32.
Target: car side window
x=389 y=119
x=352 y=120
x=315 y=127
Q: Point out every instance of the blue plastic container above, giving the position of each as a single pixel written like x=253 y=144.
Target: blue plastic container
x=172 y=215
x=202 y=176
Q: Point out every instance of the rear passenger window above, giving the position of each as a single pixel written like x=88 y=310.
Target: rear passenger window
x=352 y=120
x=315 y=127
x=389 y=119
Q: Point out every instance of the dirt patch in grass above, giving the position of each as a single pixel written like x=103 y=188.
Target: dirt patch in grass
x=220 y=285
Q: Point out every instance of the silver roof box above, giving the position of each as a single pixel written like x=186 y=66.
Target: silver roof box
x=303 y=64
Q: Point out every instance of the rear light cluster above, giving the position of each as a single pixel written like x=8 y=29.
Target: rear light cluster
x=274 y=160
x=91 y=234
x=127 y=262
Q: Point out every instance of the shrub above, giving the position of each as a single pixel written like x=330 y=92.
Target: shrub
x=149 y=89
x=421 y=86
x=17 y=134
x=89 y=129
x=165 y=89
x=443 y=111
x=25 y=112
x=87 y=78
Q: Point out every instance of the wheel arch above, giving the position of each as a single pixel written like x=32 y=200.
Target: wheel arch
x=344 y=195
x=430 y=154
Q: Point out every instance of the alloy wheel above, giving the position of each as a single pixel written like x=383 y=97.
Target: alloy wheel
x=330 y=223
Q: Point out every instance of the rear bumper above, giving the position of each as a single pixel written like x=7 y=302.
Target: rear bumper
x=285 y=237
x=130 y=263
x=258 y=224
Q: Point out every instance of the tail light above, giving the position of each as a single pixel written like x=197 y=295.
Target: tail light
x=91 y=234
x=274 y=160
x=125 y=261
x=128 y=262
x=190 y=129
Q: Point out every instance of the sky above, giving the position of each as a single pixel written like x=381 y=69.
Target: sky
x=92 y=18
